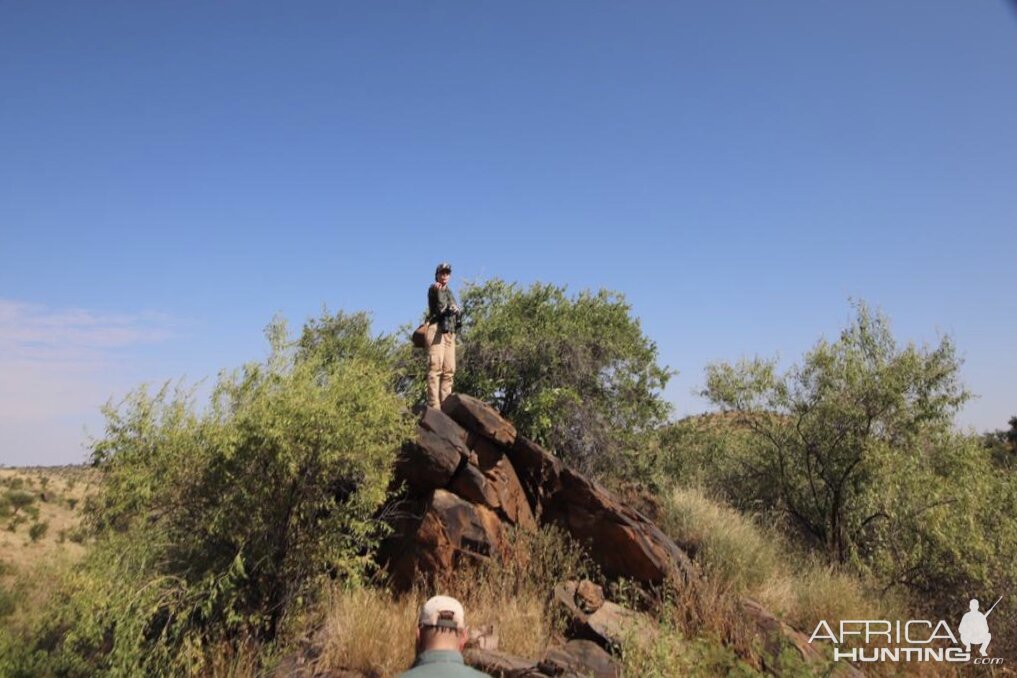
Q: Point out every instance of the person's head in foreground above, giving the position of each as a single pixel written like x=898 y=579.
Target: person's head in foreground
x=441 y=625
x=441 y=637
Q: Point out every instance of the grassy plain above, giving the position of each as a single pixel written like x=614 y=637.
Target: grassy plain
x=40 y=532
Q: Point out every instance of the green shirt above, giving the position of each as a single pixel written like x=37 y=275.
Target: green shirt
x=441 y=664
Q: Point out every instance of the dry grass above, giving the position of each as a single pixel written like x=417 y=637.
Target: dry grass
x=743 y=558
x=56 y=489
x=372 y=630
x=746 y=558
x=29 y=569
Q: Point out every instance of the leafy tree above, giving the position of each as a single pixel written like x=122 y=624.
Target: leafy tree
x=826 y=428
x=1002 y=445
x=215 y=524
x=576 y=373
x=333 y=338
x=855 y=447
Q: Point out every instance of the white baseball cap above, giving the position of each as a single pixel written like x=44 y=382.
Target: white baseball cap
x=444 y=612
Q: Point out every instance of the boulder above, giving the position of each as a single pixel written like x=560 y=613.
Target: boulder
x=443 y=426
x=500 y=664
x=450 y=530
x=610 y=625
x=471 y=484
x=429 y=462
x=775 y=636
x=538 y=470
x=580 y=657
x=471 y=450
x=470 y=529
x=589 y=596
x=622 y=541
x=512 y=502
x=479 y=417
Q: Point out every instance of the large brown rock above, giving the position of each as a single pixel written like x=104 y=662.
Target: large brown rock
x=479 y=417
x=470 y=529
x=489 y=479
x=622 y=541
x=512 y=502
x=450 y=531
x=501 y=664
x=610 y=625
x=775 y=635
x=429 y=462
x=471 y=484
x=538 y=470
x=443 y=426
x=580 y=657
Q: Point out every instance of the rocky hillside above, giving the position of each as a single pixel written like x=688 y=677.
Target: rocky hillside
x=469 y=480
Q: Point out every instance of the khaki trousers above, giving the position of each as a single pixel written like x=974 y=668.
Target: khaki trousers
x=441 y=366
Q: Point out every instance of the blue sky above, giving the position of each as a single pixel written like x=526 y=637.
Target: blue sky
x=172 y=175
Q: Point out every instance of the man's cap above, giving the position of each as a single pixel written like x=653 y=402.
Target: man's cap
x=443 y=266
x=443 y=612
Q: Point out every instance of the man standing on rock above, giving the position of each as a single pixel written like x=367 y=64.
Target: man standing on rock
x=441 y=637
x=444 y=321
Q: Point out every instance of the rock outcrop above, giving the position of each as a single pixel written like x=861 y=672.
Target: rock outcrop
x=469 y=474
x=468 y=470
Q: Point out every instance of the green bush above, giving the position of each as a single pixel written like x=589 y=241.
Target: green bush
x=8 y=602
x=573 y=372
x=213 y=525
x=78 y=534
x=37 y=531
x=854 y=451
x=19 y=499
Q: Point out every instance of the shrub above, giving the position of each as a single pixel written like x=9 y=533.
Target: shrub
x=37 y=531
x=78 y=534
x=19 y=499
x=212 y=526
x=8 y=602
x=575 y=373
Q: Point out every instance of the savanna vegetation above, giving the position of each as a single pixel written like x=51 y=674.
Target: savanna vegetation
x=223 y=534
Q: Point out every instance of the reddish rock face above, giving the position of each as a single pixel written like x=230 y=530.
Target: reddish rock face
x=472 y=453
x=623 y=542
x=443 y=426
x=479 y=417
x=471 y=484
x=468 y=473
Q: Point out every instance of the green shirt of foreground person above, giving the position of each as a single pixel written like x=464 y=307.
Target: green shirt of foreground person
x=441 y=636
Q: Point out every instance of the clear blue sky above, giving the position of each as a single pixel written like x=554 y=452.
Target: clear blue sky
x=173 y=174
